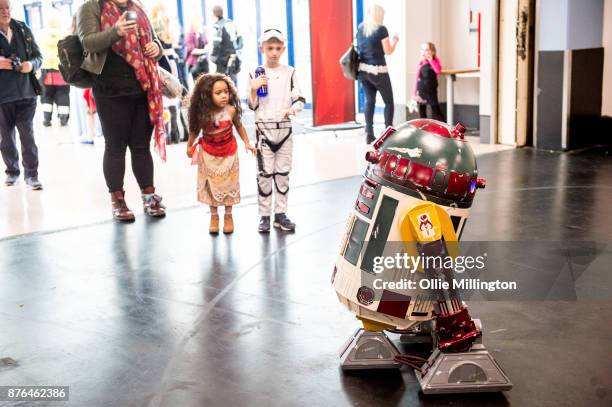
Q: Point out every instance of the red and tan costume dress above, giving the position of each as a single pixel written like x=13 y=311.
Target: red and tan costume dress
x=218 y=171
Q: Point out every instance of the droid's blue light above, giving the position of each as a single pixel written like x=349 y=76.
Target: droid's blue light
x=472 y=186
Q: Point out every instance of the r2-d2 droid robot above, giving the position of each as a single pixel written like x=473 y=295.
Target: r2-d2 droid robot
x=415 y=199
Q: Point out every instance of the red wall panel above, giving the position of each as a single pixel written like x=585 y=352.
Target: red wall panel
x=331 y=33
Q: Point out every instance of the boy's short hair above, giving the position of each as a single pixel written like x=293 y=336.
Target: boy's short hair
x=272 y=34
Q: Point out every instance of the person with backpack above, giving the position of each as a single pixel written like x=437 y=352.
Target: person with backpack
x=122 y=51
x=20 y=58
x=226 y=45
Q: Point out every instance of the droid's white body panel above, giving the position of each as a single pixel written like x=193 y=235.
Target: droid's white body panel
x=349 y=278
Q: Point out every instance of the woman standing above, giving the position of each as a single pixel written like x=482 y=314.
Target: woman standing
x=426 y=86
x=195 y=53
x=373 y=44
x=122 y=53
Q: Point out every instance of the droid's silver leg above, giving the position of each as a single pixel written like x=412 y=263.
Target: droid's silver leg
x=418 y=334
x=368 y=350
x=462 y=372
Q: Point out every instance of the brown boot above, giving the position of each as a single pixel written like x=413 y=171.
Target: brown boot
x=151 y=203
x=121 y=212
x=213 y=229
x=228 y=224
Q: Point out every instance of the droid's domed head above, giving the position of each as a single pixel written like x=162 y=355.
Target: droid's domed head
x=427 y=159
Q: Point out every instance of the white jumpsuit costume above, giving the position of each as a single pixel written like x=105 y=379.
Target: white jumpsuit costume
x=274 y=140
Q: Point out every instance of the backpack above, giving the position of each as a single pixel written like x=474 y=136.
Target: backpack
x=71 y=56
x=226 y=41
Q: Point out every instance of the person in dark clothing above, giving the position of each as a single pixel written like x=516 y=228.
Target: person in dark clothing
x=226 y=44
x=127 y=93
x=426 y=86
x=373 y=44
x=55 y=90
x=20 y=58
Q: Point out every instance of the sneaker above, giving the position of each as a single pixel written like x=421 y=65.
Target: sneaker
x=282 y=221
x=11 y=180
x=34 y=183
x=151 y=203
x=46 y=123
x=264 y=224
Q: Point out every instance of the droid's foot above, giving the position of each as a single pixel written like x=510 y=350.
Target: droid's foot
x=368 y=350
x=474 y=371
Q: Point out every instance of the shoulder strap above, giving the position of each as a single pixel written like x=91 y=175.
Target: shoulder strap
x=21 y=31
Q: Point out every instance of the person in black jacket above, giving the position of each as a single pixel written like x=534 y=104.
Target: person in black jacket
x=226 y=44
x=20 y=58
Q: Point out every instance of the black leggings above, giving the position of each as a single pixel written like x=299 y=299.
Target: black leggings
x=372 y=84
x=435 y=109
x=125 y=123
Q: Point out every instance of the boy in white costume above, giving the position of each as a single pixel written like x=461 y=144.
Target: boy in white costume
x=274 y=140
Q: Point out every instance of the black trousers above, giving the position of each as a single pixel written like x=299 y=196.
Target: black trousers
x=372 y=84
x=125 y=123
x=19 y=115
x=60 y=95
x=222 y=67
x=436 y=112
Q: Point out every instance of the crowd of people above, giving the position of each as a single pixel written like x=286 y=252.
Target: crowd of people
x=125 y=48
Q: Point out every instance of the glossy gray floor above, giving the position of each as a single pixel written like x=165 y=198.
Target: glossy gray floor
x=159 y=313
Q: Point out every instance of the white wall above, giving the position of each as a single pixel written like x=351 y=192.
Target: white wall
x=302 y=50
x=508 y=14
x=422 y=20
x=488 y=57
x=459 y=49
x=583 y=29
x=606 y=108
x=552 y=18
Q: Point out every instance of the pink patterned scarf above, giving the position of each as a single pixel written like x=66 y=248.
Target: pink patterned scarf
x=130 y=47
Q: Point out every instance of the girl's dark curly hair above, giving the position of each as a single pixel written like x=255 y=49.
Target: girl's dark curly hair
x=201 y=105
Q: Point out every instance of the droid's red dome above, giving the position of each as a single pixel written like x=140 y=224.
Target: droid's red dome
x=429 y=157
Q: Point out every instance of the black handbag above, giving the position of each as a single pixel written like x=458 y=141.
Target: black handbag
x=71 y=56
x=350 y=63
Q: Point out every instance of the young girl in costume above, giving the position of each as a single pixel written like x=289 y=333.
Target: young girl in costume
x=426 y=84
x=214 y=110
